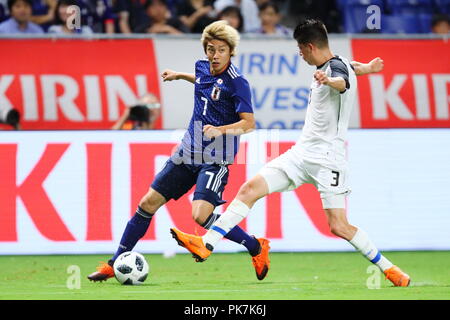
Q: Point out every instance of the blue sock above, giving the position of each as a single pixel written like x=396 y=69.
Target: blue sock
x=236 y=235
x=136 y=228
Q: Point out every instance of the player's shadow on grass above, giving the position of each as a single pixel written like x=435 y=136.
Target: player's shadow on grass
x=423 y=284
x=264 y=283
x=117 y=284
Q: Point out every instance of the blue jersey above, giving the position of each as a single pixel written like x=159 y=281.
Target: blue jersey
x=218 y=101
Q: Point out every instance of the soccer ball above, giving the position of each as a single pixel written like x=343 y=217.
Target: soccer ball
x=131 y=268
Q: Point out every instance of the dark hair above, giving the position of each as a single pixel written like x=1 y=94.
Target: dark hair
x=150 y=2
x=12 y=118
x=57 y=19
x=13 y=2
x=269 y=4
x=438 y=18
x=233 y=10
x=311 y=31
x=139 y=113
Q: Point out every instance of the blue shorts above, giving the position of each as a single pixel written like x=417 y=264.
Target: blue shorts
x=174 y=180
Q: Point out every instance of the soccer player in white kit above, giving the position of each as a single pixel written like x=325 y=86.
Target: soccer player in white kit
x=318 y=157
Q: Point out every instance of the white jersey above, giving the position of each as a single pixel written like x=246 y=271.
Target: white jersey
x=324 y=134
x=318 y=157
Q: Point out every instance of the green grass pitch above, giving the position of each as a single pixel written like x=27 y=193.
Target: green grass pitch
x=293 y=276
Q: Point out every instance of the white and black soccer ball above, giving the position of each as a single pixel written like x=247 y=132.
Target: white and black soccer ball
x=131 y=268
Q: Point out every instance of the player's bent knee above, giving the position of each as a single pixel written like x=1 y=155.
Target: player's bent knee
x=248 y=191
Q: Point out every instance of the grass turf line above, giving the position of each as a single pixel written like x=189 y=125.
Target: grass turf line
x=293 y=276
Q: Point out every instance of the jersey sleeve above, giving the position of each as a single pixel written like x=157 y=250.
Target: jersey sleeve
x=242 y=95
x=196 y=66
x=339 y=69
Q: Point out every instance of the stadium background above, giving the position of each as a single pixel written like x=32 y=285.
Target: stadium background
x=68 y=184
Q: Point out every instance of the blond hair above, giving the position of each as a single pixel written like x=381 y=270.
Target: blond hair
x=221 y=30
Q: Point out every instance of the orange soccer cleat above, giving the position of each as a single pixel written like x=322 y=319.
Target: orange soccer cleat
x=103 y=273
x=397 y=276
x=261 y=261
x=193 y=243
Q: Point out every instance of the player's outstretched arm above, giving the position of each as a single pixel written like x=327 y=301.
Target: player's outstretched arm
x=337 y=83
x=245 y=125
x=170 y=75
x=376 y=65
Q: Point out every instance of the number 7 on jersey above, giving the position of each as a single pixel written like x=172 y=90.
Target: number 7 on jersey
x=205 y=106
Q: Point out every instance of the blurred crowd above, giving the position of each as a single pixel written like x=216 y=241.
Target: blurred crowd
x=270 y=17
x=276 y=17
x=138 y=16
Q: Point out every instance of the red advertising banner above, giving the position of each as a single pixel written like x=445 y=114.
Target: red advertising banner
x=412 y=91
x=75 y=84
x=74 y=192
x=98 y=185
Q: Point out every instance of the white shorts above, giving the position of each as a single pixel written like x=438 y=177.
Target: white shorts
x=289 y=171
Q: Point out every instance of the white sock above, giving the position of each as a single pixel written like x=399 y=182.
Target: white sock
x=362 y=243
x=235 y=213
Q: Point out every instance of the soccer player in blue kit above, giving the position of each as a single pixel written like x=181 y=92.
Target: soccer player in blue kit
x=222 y=112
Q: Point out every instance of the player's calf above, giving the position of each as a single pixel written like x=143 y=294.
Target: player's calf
x=201 y=211
x=152 y=201
x=344 y=231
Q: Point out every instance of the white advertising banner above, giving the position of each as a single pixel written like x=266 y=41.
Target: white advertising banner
x=74 y=191
x=280 y=80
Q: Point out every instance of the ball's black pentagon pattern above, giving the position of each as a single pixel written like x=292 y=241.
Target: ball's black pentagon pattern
x=139 y=263
x=143 y=278
x=124 y=269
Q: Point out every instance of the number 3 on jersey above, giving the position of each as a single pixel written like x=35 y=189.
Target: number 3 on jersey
x=335 y=178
